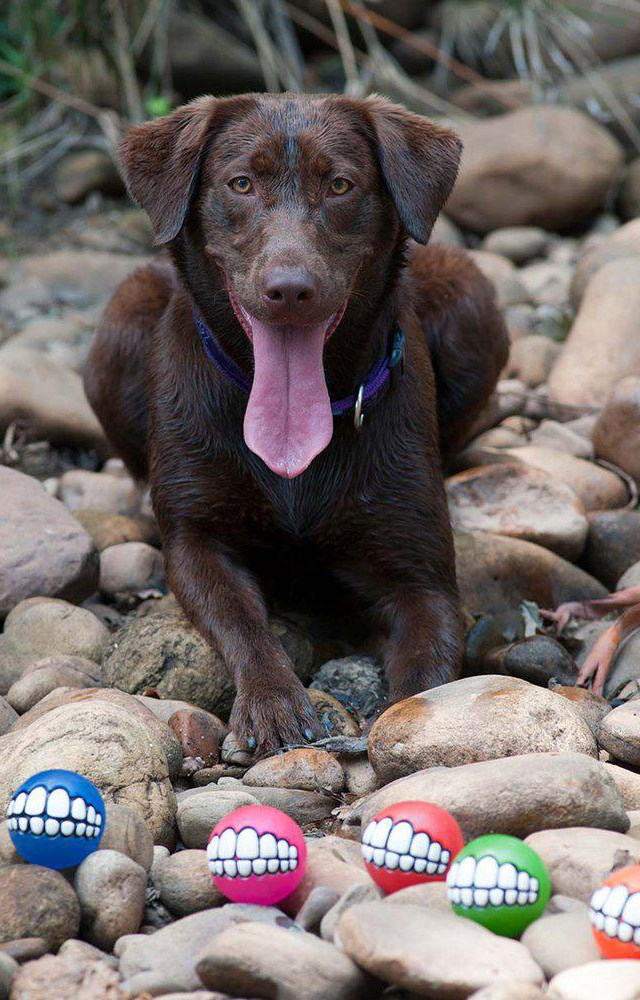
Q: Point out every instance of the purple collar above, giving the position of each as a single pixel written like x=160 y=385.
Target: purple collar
x=381 y=376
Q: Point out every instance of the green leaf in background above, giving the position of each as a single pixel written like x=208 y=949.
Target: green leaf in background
x=158 y=106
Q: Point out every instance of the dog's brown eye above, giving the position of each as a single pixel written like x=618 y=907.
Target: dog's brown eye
x=242 y=185
x=340 y=185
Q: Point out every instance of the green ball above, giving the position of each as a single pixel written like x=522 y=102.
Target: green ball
x=499 y=882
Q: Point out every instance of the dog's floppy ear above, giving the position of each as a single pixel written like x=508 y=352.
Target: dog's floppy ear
x=161 y=159
x=419 y=161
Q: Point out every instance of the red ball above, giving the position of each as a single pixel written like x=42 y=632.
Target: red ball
x=257 y=854
x=410 y=843
x=614 y=912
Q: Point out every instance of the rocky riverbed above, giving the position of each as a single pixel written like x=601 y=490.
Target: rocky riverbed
x=101 y=673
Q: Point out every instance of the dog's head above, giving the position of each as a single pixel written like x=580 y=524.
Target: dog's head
x=295 y=196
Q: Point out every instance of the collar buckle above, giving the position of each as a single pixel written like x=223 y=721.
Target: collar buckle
x=358 y=411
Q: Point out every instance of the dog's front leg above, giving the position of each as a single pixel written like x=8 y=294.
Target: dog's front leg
x=271 y=708
x=425 y=643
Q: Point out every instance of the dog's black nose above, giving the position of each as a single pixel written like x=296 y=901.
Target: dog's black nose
x=288 y=291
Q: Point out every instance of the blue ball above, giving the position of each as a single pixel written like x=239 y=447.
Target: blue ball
x=56 y=818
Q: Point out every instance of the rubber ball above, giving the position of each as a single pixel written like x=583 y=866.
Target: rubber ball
x=499 y=882
x=56 y=818
x=614 y=911
x=409 y=843
x=257 y=854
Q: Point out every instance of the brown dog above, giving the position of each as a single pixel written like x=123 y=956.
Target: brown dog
x=287 y=220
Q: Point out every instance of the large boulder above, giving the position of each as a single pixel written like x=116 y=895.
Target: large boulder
x=617 y=979
x=531 y=359
x=65 y=339
x=621 y=243
x=168 y=654
x=90 y=276
x=184 y=882
x=603 y=345
x=559 y=941
x=199 y=811
x=499 y=717
x=519 y=244
x=43 y=549
x=125 y=832
x=103 y=741
x=163 y=962
x=304 y=767
x=131 y=568
x=418 y=948
x=595 y=487
x=253 y=958
x=620 y=731
x=616 y=435
x=519 y=502
x=8 y=715
x=579 y=858
x=40 y=627
x=609 y=92
x=613 y=543
x=44 y=676
x=81 y=171
x=37 y=902
x=496 y=573
x=160 y=731
x=48 y=397
x=515 y=795
x=504 y=277
x=81 y=490
x=83 y=972
x=111 y=888
x=546 y=166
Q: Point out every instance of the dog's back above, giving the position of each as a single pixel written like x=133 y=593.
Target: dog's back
x=115 y=377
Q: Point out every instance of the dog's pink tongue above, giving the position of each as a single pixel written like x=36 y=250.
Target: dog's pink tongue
x=288 y=420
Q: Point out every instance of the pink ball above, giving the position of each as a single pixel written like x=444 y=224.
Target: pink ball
x=257 y=854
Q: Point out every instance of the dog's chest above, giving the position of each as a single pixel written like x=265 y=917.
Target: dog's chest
x=299 y=507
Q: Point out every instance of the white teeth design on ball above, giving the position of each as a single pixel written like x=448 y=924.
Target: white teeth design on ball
x=486 y=883
x=399 y=840
x=268 y=846
x=386 y=844
x=59 y=805
x=248 y=845
x=48 y=814
x=615 y=910
x=239 y=855
x=36 y=800
x=19 y=803
x=79 y=809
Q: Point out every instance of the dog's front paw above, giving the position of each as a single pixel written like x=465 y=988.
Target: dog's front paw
x=264 y=719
